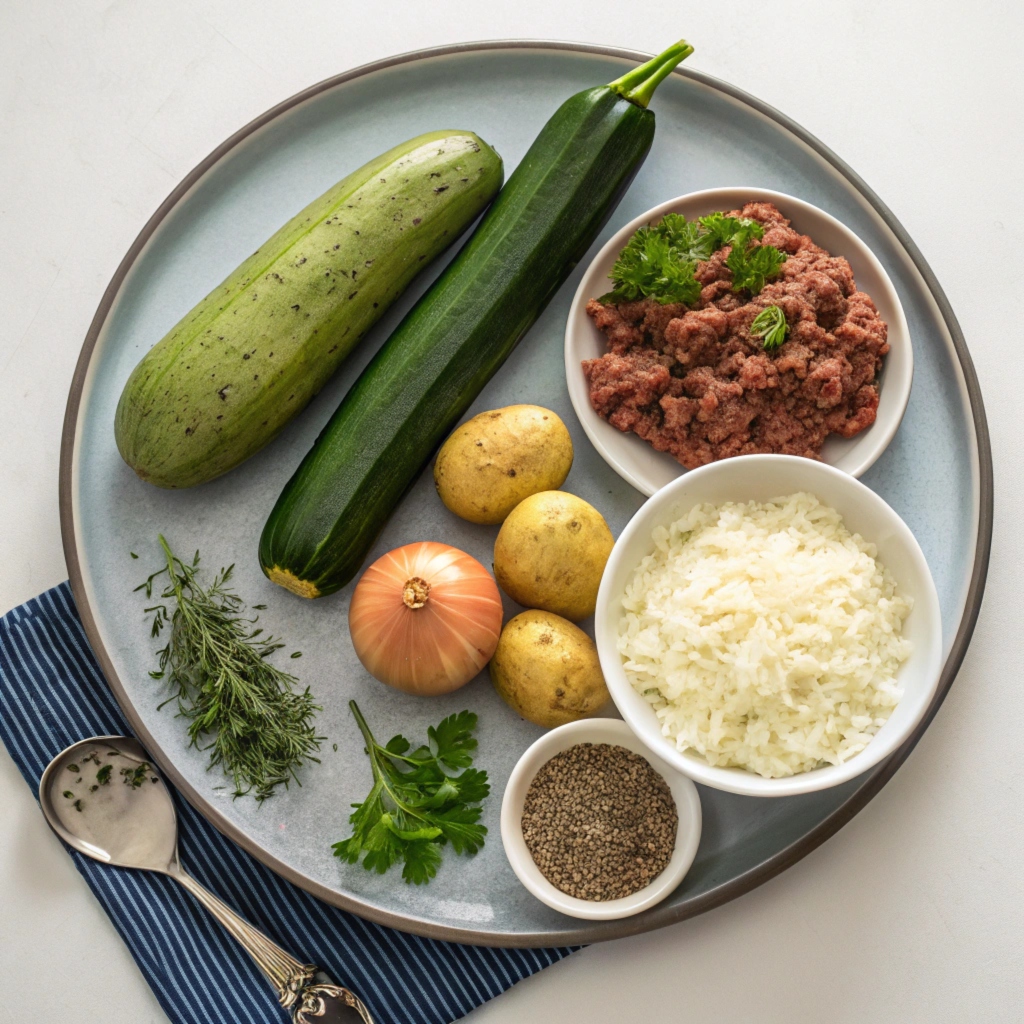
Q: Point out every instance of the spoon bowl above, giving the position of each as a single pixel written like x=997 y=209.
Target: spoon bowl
x=105 y=799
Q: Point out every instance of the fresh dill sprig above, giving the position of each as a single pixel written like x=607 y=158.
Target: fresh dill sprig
x=260 y=730
x=770 y=326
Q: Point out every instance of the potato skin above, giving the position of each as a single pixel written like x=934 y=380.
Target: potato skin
x=495 y=460
x=551 y=552
x=546 y=670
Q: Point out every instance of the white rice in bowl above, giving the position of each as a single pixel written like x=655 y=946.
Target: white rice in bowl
x=765 y=635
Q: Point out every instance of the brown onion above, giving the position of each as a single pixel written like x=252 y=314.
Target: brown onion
x=425 y=618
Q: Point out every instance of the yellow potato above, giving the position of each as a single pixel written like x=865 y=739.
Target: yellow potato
x=551 y=552
x=496 y=459
x=546 y=670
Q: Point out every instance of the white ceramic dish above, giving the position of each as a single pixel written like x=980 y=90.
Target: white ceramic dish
x=597 y=730
x=632 y=457
x=761 y=478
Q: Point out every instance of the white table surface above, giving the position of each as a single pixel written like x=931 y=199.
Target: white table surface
x=912 y=913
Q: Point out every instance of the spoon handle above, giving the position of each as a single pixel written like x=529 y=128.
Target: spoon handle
x=303 y=988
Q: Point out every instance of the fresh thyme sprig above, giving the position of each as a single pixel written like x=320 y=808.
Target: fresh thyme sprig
x=260 y=730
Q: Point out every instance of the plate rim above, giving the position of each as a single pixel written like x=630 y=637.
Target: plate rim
x=661 y=915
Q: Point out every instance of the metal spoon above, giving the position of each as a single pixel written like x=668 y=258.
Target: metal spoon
x=103 y=797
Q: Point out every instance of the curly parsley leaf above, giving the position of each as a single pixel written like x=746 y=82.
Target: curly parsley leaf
x=770 y=326
x=736 y=231
x=416 y=806
x=753 y=268
x=660 y=260
x=649 y=265
x=690 y=240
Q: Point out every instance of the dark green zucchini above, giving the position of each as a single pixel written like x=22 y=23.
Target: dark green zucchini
x=457 y=336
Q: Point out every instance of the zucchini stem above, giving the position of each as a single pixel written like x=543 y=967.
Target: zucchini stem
x=638 y=85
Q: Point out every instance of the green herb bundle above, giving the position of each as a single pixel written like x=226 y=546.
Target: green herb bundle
x=259 y=729
x=771 y=327
x=419 y=801
x=659 y=261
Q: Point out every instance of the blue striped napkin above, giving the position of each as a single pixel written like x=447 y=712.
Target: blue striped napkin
x=52 y=694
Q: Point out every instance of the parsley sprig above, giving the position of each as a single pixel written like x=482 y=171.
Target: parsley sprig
x=659 y=261
x=738 y=232
x=419 y=801
x=770 y=326
x=651 y=265
x=753 y=268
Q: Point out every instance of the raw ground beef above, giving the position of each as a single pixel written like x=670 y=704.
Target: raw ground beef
x=694 y=383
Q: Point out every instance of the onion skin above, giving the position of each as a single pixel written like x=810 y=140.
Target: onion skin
x=425 y=618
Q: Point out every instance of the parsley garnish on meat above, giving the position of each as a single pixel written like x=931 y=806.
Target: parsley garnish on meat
x=735 y=231
x=419 y=801
x=752 y=268
x=651 y=265
x=659 y=261
x=770 y=325
x=690 y=238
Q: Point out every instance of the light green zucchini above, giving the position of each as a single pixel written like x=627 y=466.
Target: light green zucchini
x=236 y=368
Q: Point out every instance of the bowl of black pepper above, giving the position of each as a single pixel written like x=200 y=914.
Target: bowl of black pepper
x=595 y=825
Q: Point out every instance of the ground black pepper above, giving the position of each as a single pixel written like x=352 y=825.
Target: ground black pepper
x=599 y=822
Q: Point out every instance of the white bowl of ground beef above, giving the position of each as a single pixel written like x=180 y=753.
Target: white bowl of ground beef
x=691 y=383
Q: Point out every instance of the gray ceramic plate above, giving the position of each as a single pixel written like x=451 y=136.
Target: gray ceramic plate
x=708 y=135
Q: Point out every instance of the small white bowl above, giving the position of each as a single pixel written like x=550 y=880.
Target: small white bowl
x=596 y=730
x=632 y=457
x=762 y=478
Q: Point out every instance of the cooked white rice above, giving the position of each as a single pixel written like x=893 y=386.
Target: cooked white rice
x=766 y=636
